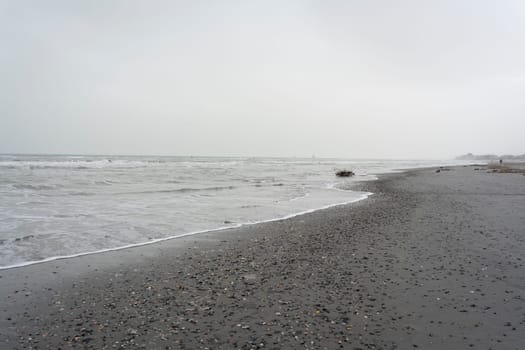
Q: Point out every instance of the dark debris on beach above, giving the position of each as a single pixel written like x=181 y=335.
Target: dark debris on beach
x=344 y=173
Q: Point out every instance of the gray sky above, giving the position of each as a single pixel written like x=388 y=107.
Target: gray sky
x=410 y=79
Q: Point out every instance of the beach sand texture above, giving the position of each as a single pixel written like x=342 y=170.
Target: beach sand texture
x=430 y=261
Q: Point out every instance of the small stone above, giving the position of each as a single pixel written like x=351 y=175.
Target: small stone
x=249 y=278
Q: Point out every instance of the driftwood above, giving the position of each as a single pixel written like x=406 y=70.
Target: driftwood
x=344 y=173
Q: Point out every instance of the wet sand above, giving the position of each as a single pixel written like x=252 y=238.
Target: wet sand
x=430 y=261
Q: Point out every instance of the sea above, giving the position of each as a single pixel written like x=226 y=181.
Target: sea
x=59 y=206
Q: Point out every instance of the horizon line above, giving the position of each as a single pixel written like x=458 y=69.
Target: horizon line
x=222 y=156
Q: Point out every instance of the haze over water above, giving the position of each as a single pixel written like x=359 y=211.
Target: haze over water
x=368 y=79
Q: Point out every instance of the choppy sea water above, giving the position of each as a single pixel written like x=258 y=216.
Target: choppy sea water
x=56 y=206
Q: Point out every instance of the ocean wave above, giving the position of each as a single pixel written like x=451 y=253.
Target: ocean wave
x=299 y=197
x=362 y=196
x=103 y=182
x=262 y=184
x=23 y=238
x=67 y=216
x=344 y=186
x=34 y=187
x=73 y=164
x=184 y=190
x=81 y=193
x=249 y=206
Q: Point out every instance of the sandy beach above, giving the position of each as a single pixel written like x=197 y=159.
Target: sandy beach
x=430 y=261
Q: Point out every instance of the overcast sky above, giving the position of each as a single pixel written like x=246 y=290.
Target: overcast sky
x=384 y=79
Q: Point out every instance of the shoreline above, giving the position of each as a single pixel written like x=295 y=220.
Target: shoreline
x=364 y=196
x=431 y=260
x=19 y=253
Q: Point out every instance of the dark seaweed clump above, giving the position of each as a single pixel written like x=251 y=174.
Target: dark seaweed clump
x=345 y=173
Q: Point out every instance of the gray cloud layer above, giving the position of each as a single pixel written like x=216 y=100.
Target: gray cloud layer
x=278 y=78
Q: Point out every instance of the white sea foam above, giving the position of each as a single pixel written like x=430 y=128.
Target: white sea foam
x=158 y=240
